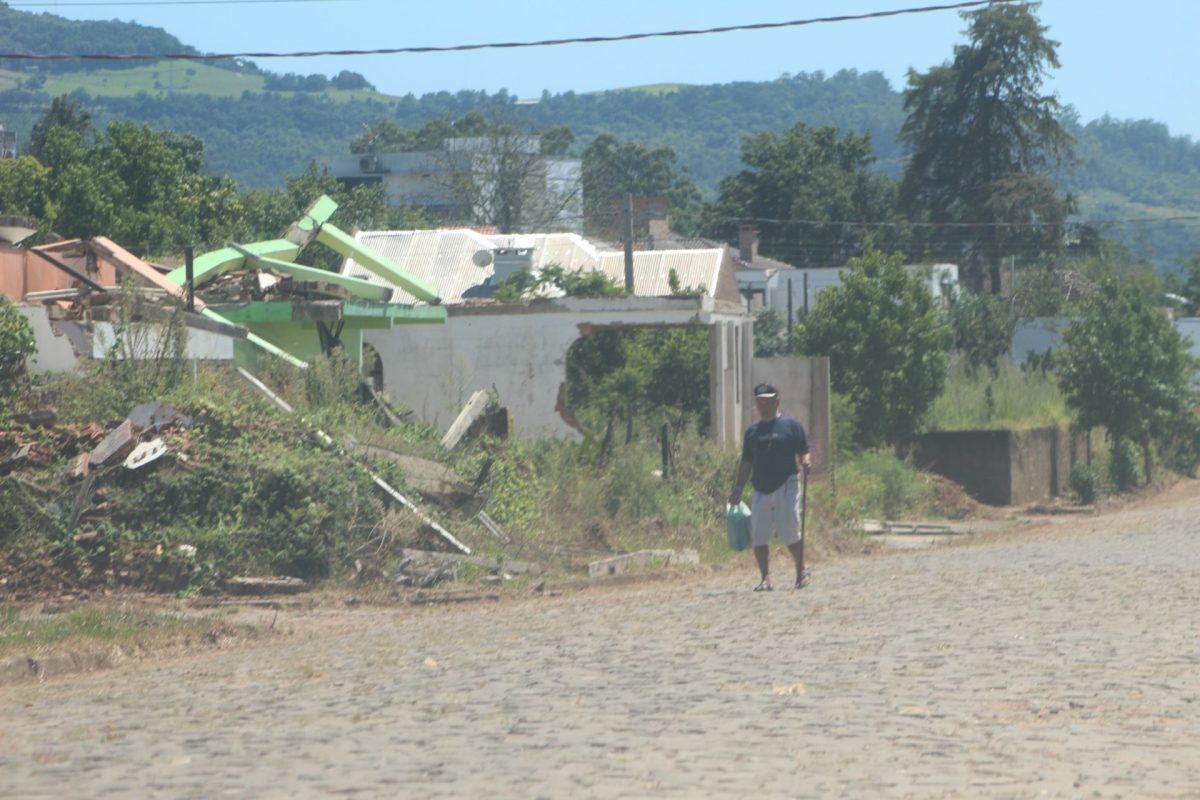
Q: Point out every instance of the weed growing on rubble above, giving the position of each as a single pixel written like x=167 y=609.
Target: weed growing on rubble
x=246 y=489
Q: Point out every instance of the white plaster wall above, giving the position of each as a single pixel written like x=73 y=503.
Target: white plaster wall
x=60 y=344
x=520 y=354
x=55 y=352
x=434 y=369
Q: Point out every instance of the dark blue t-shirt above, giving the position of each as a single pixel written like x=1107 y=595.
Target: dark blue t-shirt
x=771 y=447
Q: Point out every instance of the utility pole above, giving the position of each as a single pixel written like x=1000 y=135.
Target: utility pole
x=629 y=243
x=191 y=278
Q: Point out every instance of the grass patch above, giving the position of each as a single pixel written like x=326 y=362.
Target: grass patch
x=168 y=77
x=1009 y=399
x=20 y=634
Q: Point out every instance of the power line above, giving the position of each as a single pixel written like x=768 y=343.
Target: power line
x=167 y=3
x=494 y=45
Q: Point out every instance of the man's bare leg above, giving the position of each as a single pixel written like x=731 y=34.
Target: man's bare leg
x=762 y=554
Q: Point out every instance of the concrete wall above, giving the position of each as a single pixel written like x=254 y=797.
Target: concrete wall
x=803 y=384
x=62 y=344
x=1002 y=467
x=519 y=351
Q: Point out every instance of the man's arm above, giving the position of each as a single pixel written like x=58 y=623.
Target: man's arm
x=739 y=482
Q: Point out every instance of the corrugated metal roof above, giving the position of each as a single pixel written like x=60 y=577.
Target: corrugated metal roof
x=652 y=270
x=444 y=258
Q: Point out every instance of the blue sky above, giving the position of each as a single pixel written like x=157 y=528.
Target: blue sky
x=1129 y=60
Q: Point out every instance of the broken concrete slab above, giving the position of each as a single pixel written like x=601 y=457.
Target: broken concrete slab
x=642 y=561
x=16 y=460
x=117 y=442
x=154 y=416
x=433 y=481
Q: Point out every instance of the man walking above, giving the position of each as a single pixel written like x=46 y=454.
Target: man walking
x=774 y=454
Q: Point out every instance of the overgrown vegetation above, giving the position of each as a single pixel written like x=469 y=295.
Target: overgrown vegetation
x=1010 y=398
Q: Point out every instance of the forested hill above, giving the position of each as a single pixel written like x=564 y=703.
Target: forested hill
x=258 y=136
x=45 y=34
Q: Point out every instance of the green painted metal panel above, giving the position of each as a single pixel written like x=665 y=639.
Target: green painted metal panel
x=259 y=341
x=217 y=262
x=264 y=311
x=343 y=243
x=318 y=213
x=356 y=286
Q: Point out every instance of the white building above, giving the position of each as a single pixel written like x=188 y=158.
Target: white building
x=427 y=179
x=518 y=349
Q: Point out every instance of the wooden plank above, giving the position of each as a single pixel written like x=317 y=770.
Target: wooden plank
x=471 y=412
x=141 y=268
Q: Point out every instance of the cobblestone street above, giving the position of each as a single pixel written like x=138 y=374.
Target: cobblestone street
x=1056 y=663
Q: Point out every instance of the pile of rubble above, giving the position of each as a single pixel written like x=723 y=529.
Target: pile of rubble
x=77 y=500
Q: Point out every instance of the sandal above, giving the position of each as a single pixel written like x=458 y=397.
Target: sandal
x=764 y=586
x=804 y=579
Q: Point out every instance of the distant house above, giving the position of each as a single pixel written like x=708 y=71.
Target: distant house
x=518 y=349
x=429 y=179
x=769 y=283
x=792 y=291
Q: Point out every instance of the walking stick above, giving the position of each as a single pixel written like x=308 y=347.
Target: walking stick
x=803 y=514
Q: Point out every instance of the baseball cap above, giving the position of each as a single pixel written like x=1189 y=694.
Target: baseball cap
x=765 y=390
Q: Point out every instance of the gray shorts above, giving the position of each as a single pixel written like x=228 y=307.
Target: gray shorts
x=779 y=512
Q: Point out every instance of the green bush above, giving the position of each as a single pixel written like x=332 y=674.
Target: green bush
x=1180 y=444
x=1124 y=465
x=16 y=344
x=896 y=488
x=1084 y=482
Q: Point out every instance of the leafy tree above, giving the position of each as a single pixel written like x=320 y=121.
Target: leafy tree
x=572 y=283
x=63 y=112
x=770 y=335
x=612 y=169
x=389 y=136
x=807 y=189
x=16 y=344
x=1188 y=285
x=1125 y=367
x=982 y=139
x=983 y=326
x=348 y=81
x=23 y=186
x=268 y=213
x=887 y=344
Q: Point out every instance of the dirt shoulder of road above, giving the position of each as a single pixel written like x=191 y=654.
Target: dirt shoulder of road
x=221 y=623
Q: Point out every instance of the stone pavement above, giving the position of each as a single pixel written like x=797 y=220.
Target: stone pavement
x=1064 y=663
